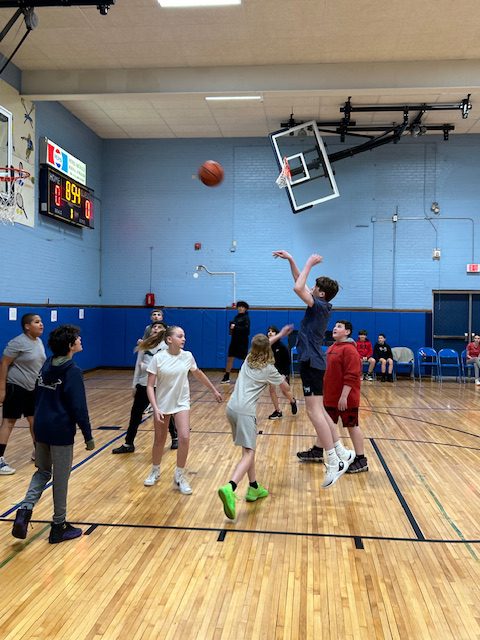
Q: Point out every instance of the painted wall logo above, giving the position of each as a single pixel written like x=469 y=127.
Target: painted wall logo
x=66 y=163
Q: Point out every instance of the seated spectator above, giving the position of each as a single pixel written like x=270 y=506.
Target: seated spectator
x=364 y=347
x=382 y=353
x=473 y=356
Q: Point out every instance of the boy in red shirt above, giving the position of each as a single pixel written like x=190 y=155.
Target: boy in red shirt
x=364 y=348
x=473 y=356
x=341 y=389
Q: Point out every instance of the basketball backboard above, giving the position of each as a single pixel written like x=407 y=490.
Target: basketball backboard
x=312 y=181
x=6 y=143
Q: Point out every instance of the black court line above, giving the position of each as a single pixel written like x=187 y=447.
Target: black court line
x=90 y=530
x=401 y=499
x=358 y=542
x=305 y=534
x=221 y=535
x=432 y=424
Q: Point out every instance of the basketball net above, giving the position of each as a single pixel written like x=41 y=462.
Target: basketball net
x=285 y=176
x=14 y=179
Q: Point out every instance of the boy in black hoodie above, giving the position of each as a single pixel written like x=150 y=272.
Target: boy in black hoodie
x=60 y=404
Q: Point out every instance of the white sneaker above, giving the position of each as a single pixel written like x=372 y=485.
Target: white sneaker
x=477 y=381
x=181 y=483
x=151 y=479
x=5 y=468
x=347 y=455
x=333 y=473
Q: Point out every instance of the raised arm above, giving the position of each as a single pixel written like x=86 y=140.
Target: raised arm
x=284 y=331
x=286 y=256
x=300 y=287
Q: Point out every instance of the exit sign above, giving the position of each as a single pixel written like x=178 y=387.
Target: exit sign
x=473 y=268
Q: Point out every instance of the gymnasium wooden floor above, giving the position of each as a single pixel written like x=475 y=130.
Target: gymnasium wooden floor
x=392 y=553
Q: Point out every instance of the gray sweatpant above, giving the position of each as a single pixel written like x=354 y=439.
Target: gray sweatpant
x=48 y=458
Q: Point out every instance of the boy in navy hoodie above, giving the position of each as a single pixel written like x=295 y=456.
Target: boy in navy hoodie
x=60 y=404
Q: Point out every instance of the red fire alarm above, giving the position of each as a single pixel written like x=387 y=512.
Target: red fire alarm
x=198 y=246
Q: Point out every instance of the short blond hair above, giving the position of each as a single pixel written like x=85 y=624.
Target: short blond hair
x=260 y=353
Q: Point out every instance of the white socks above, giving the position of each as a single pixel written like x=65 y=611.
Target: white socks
x=332 y=457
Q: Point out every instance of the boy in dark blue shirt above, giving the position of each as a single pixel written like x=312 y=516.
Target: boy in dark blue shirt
x=60 y=404
x=313 y=365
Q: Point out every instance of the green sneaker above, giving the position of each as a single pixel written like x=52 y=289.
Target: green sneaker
x=227 y=496
x=255 y=494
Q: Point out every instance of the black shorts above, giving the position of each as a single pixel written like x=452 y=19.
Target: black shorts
x=18 y=402
x=236 y=350
x=349 y=416
x=312 y=379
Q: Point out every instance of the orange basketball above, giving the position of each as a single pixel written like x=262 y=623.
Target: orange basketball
x=211 y=173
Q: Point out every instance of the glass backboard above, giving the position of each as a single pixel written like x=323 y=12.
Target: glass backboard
x=312 y=181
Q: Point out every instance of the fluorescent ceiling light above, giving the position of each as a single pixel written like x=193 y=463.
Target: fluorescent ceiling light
x=233 y=98
x=197 y=3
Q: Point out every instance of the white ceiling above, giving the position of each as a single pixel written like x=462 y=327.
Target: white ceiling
x=143 y=72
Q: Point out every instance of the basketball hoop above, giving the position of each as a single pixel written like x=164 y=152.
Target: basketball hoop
x=285 y=176
x=13 y=179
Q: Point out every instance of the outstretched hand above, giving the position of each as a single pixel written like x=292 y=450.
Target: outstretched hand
x=281 y=254
x=314 y=259
x=218 y=396
x=286 y=330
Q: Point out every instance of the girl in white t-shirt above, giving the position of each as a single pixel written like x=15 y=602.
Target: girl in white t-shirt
x=169 y=394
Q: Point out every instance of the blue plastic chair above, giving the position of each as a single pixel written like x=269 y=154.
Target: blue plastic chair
x=403 y=358
x=449 y=359
x=427 y=357
x=466 y=366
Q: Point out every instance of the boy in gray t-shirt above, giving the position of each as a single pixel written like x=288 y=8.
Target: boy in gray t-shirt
x=22 y=360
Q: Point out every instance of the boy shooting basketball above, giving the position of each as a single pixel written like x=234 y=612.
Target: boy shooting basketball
x=312 y=366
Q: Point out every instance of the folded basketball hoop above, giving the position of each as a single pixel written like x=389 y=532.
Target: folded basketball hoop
x=11 y=180
x=285 y=176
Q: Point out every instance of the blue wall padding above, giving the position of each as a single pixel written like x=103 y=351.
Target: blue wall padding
x=110 y=334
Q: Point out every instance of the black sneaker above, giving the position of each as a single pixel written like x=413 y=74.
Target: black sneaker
x=358 y=465
x=63 y=532
x=20 y=526
x=390 y=377
x=174 y=444
x=275 y=415
x=125 y=448
x=368 y=377
x=315 y=454
x=293 y=407
x=225 y=379
x=383 y=378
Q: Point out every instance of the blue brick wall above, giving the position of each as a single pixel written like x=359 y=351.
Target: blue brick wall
x=147 y=195
x=153 y=199
x=55 y=261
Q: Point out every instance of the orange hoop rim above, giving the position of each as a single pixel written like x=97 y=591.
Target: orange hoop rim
x=15 y=174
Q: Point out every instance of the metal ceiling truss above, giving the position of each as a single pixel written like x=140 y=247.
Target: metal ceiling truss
x=27 y=9
x=411 y=124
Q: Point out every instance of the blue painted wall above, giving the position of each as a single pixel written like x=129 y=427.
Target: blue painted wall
x=55 y=261
x=153 y=199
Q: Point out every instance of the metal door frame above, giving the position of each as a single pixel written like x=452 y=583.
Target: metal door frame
x=465 y=336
